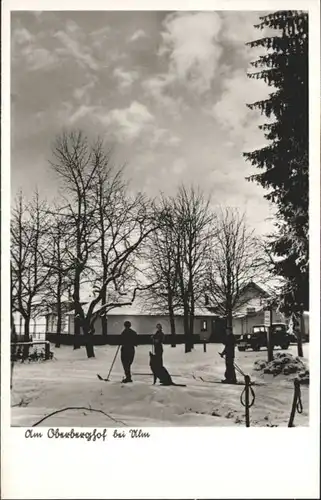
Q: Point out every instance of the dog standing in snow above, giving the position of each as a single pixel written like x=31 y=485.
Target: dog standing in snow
x=159 y=371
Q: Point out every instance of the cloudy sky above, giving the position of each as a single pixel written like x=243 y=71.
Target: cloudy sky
x=167 y=89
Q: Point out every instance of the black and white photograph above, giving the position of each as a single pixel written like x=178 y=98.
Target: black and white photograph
x=159 y=220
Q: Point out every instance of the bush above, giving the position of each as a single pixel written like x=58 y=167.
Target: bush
x=18 y=354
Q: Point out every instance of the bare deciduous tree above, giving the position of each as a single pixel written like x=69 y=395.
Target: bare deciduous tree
x=110 y=194
x=193 y=227
x=73 y=163
x=29 y=242
x=161 y=255
x=109 y=227
x=180 y=252
x=13 y=333
x=236 y=260
x=60 y=265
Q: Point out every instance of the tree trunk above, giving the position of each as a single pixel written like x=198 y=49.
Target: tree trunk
x=26 y=329
x=77 y=332
x=103 y=317
x=76 y=299
x=59 y=320
x=172 y=322
x=229 y=319
x=104 y=325
x=13 y=348
x=173 y=330
x=192 y=315
x=188 y=343
x=13 y=330
x=26 y=337
x=191 y=328
x=90 y=348
x=88 y=333
x=298 y=324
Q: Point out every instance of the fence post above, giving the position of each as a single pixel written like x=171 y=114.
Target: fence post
x=47 y=350
x=204 y=346
x=294 y=402
x=247 y=400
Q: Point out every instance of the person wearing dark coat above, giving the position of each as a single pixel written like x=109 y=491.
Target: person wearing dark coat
x=158 y=339
x=127 y=353
x=229 y=353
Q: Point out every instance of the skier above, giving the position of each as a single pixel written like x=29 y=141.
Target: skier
x=158 y=339
x=229 y=353
x=127 y=353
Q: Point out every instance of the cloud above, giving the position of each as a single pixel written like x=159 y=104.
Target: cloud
x=125 y=78
x=74 y=48
x=162 y=136
x=99 y=37
x=37 y=14
x=134 y=123
x=81 y=113
x=137 y=35
x=22 y=36
x=190 y=41
x=41 y=58
x=83 y=93
x=238 y=27
x=72 y=27
x=28 y=46
x=231 y=112
x=128 y=123
x=100 y=33
x=41 y=51
x=174 y=140
x=159 y=135
x=158 y=87
x=150 y=101
x=179 y=166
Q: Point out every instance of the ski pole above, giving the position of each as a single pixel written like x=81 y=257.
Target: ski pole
x=112 y=365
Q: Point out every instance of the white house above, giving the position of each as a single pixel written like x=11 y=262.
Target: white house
x=207 y=323
x=144 y=322
x=251 y=310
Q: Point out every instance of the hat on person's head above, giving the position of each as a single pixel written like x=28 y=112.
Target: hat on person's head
x=127 y=324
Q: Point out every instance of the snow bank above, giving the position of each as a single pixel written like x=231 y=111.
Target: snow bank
x=284 y=364
x=70 y=381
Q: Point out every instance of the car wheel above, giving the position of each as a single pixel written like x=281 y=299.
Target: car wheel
x=285 y=346
x=256 y=347
x=241 y=349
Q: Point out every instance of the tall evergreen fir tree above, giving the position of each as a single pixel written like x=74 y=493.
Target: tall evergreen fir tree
x=284 y=161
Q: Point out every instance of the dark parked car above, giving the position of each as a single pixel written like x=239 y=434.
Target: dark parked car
x=257 y=338
x=293 y=338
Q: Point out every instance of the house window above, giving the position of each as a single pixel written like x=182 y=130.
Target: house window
x=250 y=310
x=204 y=325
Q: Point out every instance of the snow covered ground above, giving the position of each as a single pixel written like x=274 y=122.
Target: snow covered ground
x=69 y=380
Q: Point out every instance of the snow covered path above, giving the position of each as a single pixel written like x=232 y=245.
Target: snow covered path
x=71 y=380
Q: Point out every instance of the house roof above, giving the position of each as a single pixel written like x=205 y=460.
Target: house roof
x=66 y=305
x=138 y=309
x=249 y=285
x=259 y=288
